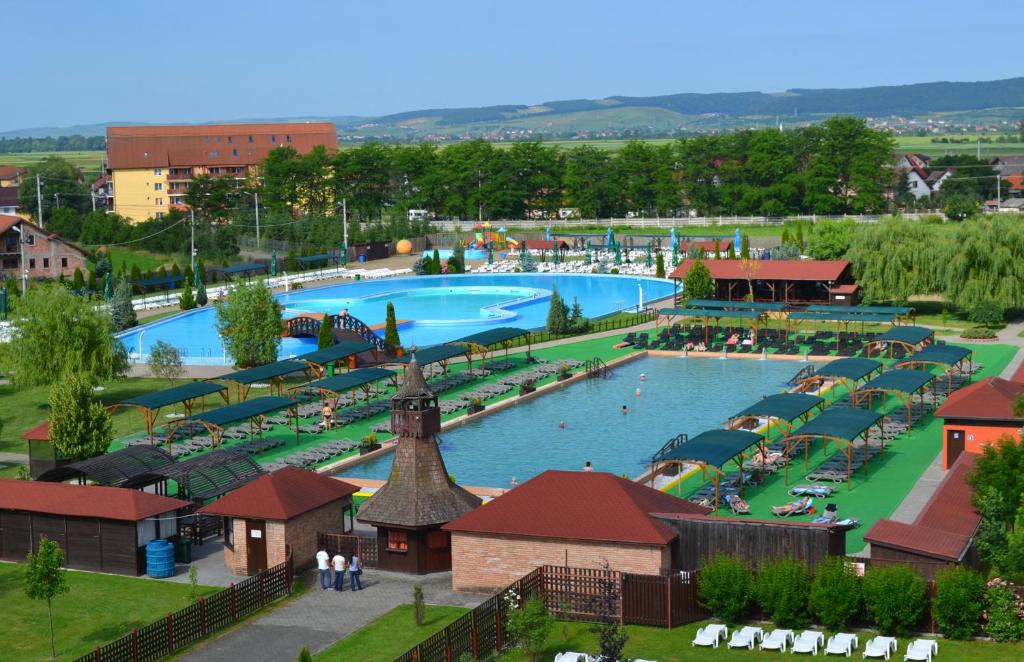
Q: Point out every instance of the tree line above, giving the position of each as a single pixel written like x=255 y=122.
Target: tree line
x=74 y=143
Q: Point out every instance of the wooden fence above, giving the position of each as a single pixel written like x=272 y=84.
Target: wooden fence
x=367 y=548
x=177 y=630
x=579 y=594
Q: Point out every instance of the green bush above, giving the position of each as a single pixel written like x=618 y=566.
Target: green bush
x=986 y=312
x=835 y=595
x=781 y=591
x=1005 y=611
x=958 y=603
x=725 y=587
x=978 y=333
x=895 y=598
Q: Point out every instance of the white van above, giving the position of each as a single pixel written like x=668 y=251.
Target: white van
x=418 y=214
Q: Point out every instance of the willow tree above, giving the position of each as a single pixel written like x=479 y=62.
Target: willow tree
x=249 y=322
x=897 y=258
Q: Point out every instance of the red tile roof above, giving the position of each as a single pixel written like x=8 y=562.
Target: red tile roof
x=11 y=172
x=281 y=495
x=918 y=539
x=84 y=500
x=40 y=432
x=845 y=289
x=812 y=270
x=988 y=400
x=579 y=505
x=1015 y=181
x=7 y=222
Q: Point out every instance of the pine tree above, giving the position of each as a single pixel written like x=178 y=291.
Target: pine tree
x=325 y=338
x=291 y=261
x=186 y=301
x=122 y=312
x=124 y=269
x=136 y=273
x=558 y=314
x=718 y=250
x=201 y=298
x=732 y=250
x=659 y=265
x=744 y=247
x=391 y=327
x=435 y=262
x=80 y=427
x=91 y=283
x=175 y=269
x=785 y=236
x=698 y=284
x=77 y=280
x=800 y=236
x=459 y=255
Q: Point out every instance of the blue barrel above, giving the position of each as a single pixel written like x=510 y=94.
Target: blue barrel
x=159 y=559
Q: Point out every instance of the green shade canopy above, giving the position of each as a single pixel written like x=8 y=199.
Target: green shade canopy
x=860 y=310
x=912 y=335
x=350 y=380
x=174 y=395
x=736 y=305
x=840 y=422
x=785 y=406
x=131 y=466
x=710 y=312
x=212 y=474
x=158 y=281
x=264 y=372
x=435 y=353
x=494 y=336
x=241 y=411
x=849 y=368
x=900 y=380
x=242 y=268
x=714 y=447
x=322 y=257
x=841 y=316
x=336 y=352
x=943 y=354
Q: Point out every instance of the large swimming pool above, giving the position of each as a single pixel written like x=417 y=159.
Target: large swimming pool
x=678 y=395
x=437 y=308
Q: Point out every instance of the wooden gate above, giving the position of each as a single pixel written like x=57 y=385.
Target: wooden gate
x=366 y=547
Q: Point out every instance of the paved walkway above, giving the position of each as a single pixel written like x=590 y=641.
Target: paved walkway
x=319 y=618
x=13 y=458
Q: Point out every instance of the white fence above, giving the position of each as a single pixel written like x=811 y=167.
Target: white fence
x=681 y=222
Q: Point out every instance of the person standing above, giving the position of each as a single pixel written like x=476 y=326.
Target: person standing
x=339 y=572
x=322 y=565
x=328 y=416
x=355 y=570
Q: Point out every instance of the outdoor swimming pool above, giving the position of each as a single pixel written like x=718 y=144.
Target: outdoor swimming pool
x=679 y=395
x=438 y=308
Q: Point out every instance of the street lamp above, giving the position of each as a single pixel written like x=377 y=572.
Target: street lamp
x=24 y=270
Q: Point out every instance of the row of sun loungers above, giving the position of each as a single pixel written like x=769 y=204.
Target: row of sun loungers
x=812 y=641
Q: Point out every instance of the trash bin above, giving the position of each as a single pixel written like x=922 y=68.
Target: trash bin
x=359 y=276
x=183 y=550
x=362 y=257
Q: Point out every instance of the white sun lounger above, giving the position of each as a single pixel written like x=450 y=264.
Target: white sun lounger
x=808 y=641
x=880 y=647
x=922 y=649
x=746 y=637
x=842 y=643
x=777 y=640
x=710 y=635
x=573 y=657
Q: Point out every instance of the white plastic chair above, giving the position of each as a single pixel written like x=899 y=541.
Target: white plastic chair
x=922 y=649
x=777 y=640
x=808 y=641
x=746 y=637
x=842 y=643
x=710 y=635
x=880 y=647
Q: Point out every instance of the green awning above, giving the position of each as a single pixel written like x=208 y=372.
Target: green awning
x=130 y=466
x=211 y=474
x=849 y=368
x=336 y=352
x=717 y=313
x=434 y=353
x=714 y=447
x=912 y=335
x=174 y=395
x=264 y=372
x=241 y=411
x=494 y=336
x=242 y=268
x=861 y=310
x=763 y=306
x=943 y=354
x=900 y=380
x=841 y=422
x=170 y=280
x=785 y=406
x=350 y=380
x=839 y=316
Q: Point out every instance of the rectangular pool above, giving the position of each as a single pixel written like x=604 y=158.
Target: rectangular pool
x=676 y=395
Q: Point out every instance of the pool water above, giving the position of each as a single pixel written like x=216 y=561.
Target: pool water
x=438 y=308
x=678 y=395
x=468 y=253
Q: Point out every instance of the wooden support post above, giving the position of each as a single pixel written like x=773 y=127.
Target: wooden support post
x=170 y=633
x=135 y=645
x=202 y=615
x=668 y=600
x=234 y=602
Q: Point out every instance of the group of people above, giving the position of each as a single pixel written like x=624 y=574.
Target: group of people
x=340 y=564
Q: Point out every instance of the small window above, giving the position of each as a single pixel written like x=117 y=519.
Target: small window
x=288 y=138
x=234 y=152
x=159 y=202
x=273 y=139
x=63 y=263
x=158 y=186
x=218 y=138
x=213 y=154
x=31 y=263
x=46 y=263
x=250 y=138
x=158 y=171
x=159 y=215
x=229 y=532
x=398 y=541
x=230 y=140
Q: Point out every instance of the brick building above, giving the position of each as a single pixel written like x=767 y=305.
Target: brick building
x=47 y=255
x=978 y=415
x=579 y=519
x=284 y=508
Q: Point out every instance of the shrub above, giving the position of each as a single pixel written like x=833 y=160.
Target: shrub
x=1004 y=611
x=986 y=312
x=978 y=333
x=958 y=602
x=725 y=587
x=529 y=627
x=835 y=595
x=895 y=598
x=781 y=591
x=419 y=608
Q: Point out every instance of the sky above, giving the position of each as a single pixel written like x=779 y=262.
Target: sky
x=80 y=63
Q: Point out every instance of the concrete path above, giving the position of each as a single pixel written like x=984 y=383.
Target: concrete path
x=13 y=458
x=319 y=618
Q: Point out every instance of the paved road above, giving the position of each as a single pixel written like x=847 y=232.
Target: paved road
x=319 y=618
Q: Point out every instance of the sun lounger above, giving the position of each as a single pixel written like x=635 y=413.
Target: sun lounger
x=737 y=504
x=880 y=647
x=573 y=657
x=808 y=641
x=710 y=635
x=777 y=640
x=820 y=491
x=922 y=649
x=793 y=508
x=746 y=637
x=841 y=644
x=847 y=523
x=829 y=516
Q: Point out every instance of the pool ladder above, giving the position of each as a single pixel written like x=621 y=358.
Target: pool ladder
x=595 y=367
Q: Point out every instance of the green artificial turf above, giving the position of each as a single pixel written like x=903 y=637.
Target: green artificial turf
x=390 y=635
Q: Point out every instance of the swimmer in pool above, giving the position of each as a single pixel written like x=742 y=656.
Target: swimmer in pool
x=625 y=410
x=561 y=424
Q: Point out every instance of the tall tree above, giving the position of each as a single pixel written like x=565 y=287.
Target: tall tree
x=590 y=182
x=391 y=327
x=45 y=579
x=697 y=283
x=249 y=322
x=80 y=427
x=61 y=185
x=847 y=173
x=325 y=338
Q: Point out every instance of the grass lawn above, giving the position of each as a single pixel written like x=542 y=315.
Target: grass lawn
x=390 y=635
x=97 y=609
x=144 y=259
x=88 y=161
x=671 y=645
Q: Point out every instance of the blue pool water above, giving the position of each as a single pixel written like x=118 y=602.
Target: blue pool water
x=440 y=308
x=469 y=253
x=679 y=395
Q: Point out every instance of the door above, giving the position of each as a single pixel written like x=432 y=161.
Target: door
x=954 y=446
x=256 y=545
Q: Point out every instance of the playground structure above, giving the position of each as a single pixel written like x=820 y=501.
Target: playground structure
x=484 y=237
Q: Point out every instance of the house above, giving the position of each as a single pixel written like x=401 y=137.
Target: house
x=791 y=281
x=11 y=176
x=912 y=160
x=937 y=177
x=278 y=511
x=102 y=192
x=47 y=255
x=942 y=534
x=1013 y=205
x=916 y=168
x=574 y=518
x=99 y=528
x=978 y=415
x=1009 y=165
x=150 y=167
x=420 y=497
x=1013 y=185
x=42 y=455
x=9 y=201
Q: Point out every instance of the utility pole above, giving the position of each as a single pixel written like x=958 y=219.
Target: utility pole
x=39 y=198
x=92 y=196
x=192 y=253
x=999 y=193
x=344 y=222
x=256 y=201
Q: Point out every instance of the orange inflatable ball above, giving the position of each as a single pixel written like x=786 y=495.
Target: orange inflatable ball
x=403 y=247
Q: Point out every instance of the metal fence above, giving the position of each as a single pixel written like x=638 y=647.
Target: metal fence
x=209 y=614
x=671 y=222
x=596 y=326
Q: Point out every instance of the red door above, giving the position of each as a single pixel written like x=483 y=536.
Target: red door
x=256 y=545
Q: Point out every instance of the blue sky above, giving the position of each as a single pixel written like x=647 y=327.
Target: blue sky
x=76 y=63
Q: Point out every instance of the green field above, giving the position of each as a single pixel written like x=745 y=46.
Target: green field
x=144 y=259
x=90 y=162
x=924 y=145
x=390 y=635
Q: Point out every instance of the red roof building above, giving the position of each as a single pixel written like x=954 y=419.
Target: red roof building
x=281 y=510
x=979 y=415
x=580 y=519
x=791 y=281
x=47 y=255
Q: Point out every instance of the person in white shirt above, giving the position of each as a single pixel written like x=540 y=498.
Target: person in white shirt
x=339 y=572
x=323 y=565
x=355 y=569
